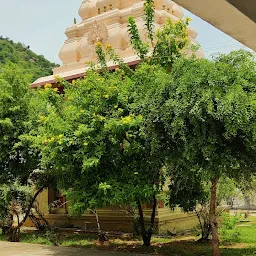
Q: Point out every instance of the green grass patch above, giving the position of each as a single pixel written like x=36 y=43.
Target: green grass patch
x=169 y=246
x=247 y=234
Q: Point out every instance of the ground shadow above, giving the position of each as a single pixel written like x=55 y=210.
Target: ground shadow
x=173 y=249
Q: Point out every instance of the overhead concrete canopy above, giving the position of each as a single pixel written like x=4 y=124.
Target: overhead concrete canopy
x=234 y=17
x=247 y=7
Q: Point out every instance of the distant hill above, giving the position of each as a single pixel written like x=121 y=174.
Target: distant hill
x=21 y=54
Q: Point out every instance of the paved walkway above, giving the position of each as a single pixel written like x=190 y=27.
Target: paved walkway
x=19 y=249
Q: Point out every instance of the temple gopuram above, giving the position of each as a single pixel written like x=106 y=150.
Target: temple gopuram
x=106 y=21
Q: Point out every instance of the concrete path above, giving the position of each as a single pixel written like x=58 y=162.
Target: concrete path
x=19 y=249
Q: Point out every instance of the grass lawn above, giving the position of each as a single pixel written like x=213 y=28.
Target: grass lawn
x=244 y=245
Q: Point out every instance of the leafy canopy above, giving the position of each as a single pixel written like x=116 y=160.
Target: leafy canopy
x=205 y=116
x=15 y=160
x=92 y=140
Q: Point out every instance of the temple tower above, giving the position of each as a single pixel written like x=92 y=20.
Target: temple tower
x=106 y=21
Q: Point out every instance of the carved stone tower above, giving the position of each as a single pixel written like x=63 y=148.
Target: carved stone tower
x=106 y=21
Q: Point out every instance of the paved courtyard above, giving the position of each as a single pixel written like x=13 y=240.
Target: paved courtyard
x=19 y=249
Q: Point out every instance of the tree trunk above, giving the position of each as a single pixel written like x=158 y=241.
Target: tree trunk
x=153 y=216
x=147 y=234
x=146 y=242
x=102 y=234
x=30 y=206
x=205 y=229
x=207 y=232
x=13 y=234
x=39 y=222
x=213 y=218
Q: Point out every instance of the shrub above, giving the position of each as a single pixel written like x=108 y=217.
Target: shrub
x=228 y=230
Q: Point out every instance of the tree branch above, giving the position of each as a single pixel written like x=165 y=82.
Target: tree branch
x=30 y=206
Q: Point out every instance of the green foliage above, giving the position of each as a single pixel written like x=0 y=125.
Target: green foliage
x=171 y=43
x=208 y=110
x=15 y=159
x=228 y=221
x=13 y=199
x=104 y=153
x=206 y=115
x=165 y=45
x=228 y=229
x=149 y=16
x=187 y=191
x=140 y=47
x=113 y=137
x=101 y=57
x=21 y=55
x=109 y=136
x=201 y=117
x=227 y=190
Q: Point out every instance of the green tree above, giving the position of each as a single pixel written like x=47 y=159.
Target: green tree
x=14 y=96
x=227 y=191
x=12 y=205
x=207 y=113
x=17 y=162
x=93 y=142
x=190 y=190
x=92 y=139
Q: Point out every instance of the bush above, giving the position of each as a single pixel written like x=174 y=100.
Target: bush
x=228 y=230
